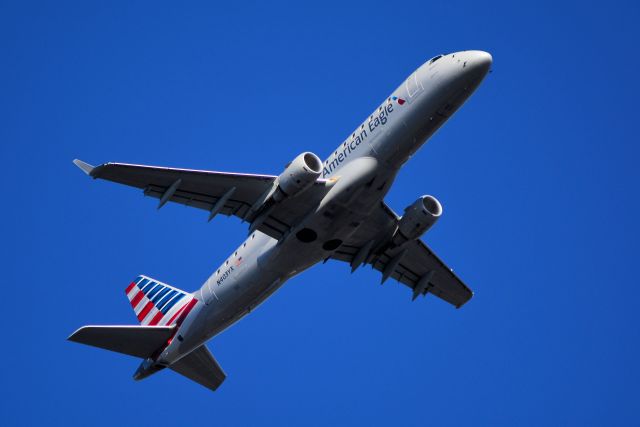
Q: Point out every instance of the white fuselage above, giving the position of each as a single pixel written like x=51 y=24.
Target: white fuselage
x=361 y=169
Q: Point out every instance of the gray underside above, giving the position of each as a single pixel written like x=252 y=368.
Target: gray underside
x=201 y=367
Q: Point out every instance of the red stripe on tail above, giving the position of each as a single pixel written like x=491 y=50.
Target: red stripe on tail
x=147 y=308
x=131 y=285
x=156 y=318
x=136 y=299
x=186 y=311
x=170 y=322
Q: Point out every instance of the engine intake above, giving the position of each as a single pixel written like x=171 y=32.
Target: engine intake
x=298 y=175
x=417 y=219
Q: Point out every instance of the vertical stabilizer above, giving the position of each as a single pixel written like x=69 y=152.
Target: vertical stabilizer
x=156 y=303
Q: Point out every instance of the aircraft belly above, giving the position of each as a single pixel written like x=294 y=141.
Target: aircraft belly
x=332 y=223
x=251 y=285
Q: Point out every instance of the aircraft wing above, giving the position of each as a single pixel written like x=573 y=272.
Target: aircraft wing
x=216 y=192
x=413 y=264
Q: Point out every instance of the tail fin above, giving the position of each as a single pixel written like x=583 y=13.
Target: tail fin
x=157 y=303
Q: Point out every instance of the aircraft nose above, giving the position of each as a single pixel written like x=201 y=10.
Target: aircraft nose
x=453 y=77
x=477 y=63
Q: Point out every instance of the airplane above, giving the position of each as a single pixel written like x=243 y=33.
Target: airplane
x=313 y=211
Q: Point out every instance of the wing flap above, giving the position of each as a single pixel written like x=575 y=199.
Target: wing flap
x=236 y=207
x=198 y=188
x=418 y=261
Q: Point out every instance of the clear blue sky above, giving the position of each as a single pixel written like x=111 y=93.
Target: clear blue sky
x=537 y=173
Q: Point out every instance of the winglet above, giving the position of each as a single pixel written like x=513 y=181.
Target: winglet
x=86 y=167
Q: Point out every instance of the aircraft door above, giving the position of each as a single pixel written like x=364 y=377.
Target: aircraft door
x=414 y=87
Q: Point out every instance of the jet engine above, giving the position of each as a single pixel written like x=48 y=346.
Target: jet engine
x=298 y=175
x=417 y=219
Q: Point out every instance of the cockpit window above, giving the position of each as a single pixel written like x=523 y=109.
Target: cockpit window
x=434 y=59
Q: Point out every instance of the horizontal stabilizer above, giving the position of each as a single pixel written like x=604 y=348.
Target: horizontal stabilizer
x=134 y=340
x=201 y=367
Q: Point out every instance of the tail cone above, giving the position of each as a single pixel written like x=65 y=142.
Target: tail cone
x=147 y=367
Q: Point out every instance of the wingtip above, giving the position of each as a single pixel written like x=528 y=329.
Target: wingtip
x=85 y=167
x=73 y=336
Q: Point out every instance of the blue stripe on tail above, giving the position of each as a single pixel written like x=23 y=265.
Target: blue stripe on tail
x=172 y=303
x=160 y=295
x=166 y=298
x=155 y=291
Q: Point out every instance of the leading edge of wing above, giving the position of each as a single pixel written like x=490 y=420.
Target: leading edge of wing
x=94 y=171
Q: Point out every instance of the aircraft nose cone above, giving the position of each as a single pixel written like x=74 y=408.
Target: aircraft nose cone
x=478 y=62
x=484 y=59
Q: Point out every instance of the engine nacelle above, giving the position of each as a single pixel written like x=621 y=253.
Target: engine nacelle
x=417 y=219
x=299 y=175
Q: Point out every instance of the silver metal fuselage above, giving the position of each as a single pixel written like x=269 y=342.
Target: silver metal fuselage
x=361 y=171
